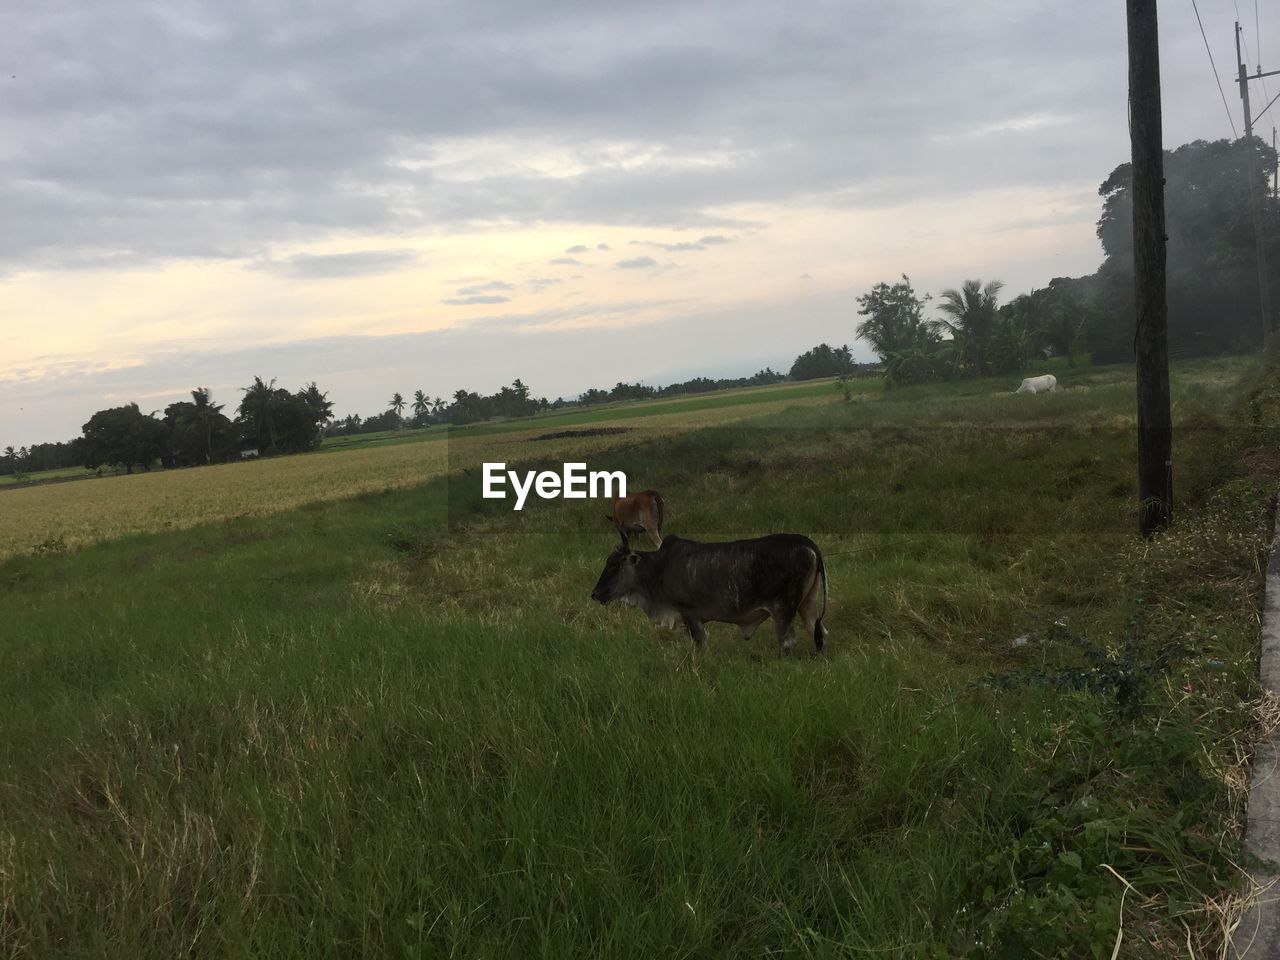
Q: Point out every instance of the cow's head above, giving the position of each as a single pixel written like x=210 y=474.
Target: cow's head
x=618 y=578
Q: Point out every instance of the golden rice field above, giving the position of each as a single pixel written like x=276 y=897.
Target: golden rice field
x=74 y=514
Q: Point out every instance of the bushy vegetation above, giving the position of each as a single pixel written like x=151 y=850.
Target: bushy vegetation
x=827 y=361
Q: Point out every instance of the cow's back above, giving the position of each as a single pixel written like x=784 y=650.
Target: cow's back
x=737 y=572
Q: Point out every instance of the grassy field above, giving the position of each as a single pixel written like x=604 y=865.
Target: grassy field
x=51 y=516
x=62 y=473
x=393 y=724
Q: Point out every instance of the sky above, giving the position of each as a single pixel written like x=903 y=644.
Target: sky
x=390 y=196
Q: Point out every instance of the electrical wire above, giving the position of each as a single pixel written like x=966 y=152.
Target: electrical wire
x=1230 y=119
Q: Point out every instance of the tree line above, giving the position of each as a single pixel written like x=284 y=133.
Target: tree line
x=516 y=400
x=1212 y=285
x=269 y=419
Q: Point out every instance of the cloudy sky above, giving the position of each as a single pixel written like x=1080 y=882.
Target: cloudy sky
x=391 y=195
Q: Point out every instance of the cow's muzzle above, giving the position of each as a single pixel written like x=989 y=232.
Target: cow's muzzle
x=599 y=597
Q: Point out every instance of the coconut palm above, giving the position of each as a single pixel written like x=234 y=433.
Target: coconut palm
x=260 y=404
x=972 y=312
x=421 y=405
x=319 y=408
x=396 y=405
x=202 y=418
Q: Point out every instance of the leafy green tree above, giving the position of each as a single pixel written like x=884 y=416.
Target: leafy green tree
x=318 y=409
x=513 y=401
x=895 y=319
x=282 y=421
x=125 y=436
x=1211 y=258
x=259 y=410
x=972 y=321
x=823 y=361
x=194 y=426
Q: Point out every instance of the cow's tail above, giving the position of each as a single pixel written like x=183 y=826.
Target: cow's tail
x=819 y=631
x=662 y=511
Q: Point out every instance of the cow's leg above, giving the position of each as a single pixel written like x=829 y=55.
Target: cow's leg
x=811 y=613
x=746 y=630
x=651 y=528
x=695 y=630
x=782 y=623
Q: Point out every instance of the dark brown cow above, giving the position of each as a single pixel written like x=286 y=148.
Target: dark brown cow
x=743 y=582
x=639 y=512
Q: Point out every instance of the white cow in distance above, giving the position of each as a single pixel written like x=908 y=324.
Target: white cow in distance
x=1045 y=384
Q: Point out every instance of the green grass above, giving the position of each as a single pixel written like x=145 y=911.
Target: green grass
x=395 y=725
x=60 y=473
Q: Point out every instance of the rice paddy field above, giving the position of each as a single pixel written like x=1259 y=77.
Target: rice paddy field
x=339 y=705
x=54 y=515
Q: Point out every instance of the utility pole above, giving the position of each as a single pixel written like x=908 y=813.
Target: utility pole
x=1150 y=342
x=1255 y=202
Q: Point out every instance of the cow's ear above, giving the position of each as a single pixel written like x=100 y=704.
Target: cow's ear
x=633 y=558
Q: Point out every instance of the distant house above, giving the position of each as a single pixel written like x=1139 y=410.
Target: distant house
x=249 y=454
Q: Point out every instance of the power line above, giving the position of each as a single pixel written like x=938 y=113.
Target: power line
x=1230 y=119
x=1258 y=39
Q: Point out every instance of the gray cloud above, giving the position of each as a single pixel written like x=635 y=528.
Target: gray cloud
x=538 y=284
x=481 y=288
x=578 y=248
x=470 y=301
x=247 y=126
x=637 y=263
x=565 y=261
x=337 y=265
x=683 y=246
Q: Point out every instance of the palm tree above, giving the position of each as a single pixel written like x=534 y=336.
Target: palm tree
x=421 y=404
x=201 y=419
x=9 y=454
x=437 y=404
x=972 y=310
x=318 y=405
x=259 y=405
x=396 y=405
x=1061 y=330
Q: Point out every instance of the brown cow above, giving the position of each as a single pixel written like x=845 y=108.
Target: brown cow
x=643 y=511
